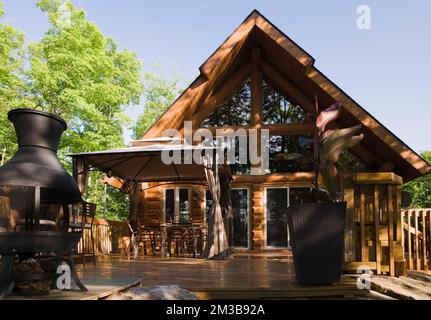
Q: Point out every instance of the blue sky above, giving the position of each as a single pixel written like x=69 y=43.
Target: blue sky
x=386 y=69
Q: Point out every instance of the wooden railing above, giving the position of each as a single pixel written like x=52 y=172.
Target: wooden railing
x=109 y=237
x=417 y=238
x=373 y=237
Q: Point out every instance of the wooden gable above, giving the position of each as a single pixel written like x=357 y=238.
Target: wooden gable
x=290 y=70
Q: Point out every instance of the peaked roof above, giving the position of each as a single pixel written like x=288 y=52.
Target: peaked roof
x=290 y=70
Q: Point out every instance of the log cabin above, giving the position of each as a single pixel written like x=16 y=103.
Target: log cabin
x=259 y=78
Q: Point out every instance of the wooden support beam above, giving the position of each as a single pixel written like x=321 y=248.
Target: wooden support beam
x=400 y=260
x=274 y=129
x=217 y=98
x=429 y=237
x=409 y=241
x=417 y=259
x=256 y=105
x=364 y=248
x=391 y=230
x=304 y=178
x=294 y=94
x=368 y=121
x=349 y=235
x=424 y=241
x=287 y=88
x=377 y=229
x=209 y=67
x=217 y=75
x=256 y=87
x=377 y=178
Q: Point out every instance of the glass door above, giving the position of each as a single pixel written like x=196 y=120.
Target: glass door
x=177 y=205
x=276 y=219
x=277 y=201
x=241 y=217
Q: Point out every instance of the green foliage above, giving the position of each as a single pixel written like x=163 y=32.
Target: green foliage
x=117 y=202
x=277 y=109
x=158 y=96
x=12 y=86
x=350 y=163
x=233 y=112
x=79 y=74
x=420 y=189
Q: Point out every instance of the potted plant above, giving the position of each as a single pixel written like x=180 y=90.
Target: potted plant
x=317 y=224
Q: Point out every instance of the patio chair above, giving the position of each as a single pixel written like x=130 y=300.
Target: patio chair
x=85 y=222
x=49 y=221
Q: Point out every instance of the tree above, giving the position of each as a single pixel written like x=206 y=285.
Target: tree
x=420 y=189
x=79 y=74
x=12 y=86
x=234 y=111
x=159 y=95
x=111 y=203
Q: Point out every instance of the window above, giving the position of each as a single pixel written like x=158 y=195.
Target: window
x=184 y=206
x=242 y=164
x=208 y=204
x=169 y=205
x=276 y=109
x=234 y=112
x=281 y=146
x=177 y=205
x=277 y=200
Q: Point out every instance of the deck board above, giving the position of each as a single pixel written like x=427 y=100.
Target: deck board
x=246 y=276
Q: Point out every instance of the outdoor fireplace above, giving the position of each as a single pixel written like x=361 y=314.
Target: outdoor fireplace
x=36 y=194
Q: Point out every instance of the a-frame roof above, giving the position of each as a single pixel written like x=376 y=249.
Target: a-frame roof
x=291 y=70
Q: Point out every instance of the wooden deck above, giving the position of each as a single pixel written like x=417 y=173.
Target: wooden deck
x=245 y=276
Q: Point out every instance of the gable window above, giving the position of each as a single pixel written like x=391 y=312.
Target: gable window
x=281 y=146
x=177 y=205
x=234 y=112
x=276 y=109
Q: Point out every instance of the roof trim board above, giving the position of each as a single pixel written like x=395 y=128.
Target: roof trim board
x=217 y=65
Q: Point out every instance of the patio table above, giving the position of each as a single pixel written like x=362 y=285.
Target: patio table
x=185 y=236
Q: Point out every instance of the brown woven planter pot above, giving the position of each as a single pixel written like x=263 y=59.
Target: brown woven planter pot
x=317 y=233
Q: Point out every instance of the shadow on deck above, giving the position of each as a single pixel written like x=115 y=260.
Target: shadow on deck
x=247 y=275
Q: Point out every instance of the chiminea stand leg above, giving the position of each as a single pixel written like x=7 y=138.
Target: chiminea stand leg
x=74 y=276
x=6 y=275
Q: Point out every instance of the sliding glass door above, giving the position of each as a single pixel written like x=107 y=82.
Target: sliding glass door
x=177 y=205
x=277 y=201
x=276 y=219
x=241 y=217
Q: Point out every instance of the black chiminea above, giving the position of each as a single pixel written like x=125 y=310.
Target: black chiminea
x=36 y=162
x=36 y=193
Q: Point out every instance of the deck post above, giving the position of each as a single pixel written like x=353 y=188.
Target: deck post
x=377 y=223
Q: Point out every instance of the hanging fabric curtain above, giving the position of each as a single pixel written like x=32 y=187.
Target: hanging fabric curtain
x=134 y=191
x=216 y=246
x=80 y=170
x=226 y=202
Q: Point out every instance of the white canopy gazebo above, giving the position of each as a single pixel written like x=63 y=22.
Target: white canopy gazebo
x=136 y=165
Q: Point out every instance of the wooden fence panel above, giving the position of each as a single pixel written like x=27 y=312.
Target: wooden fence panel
x=417 y=238
x=109 y=237
x=376 y=228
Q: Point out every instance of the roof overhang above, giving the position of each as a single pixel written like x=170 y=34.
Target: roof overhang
x=294 y=66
